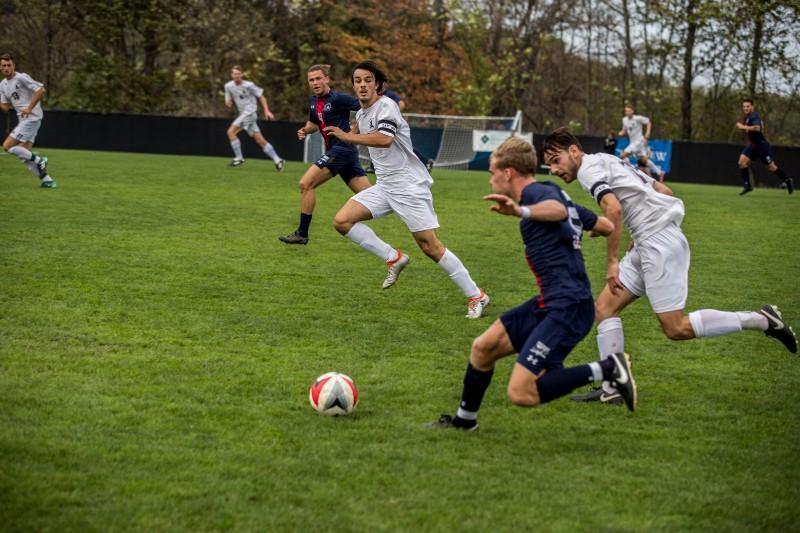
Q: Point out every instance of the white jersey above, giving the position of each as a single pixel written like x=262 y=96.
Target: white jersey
x=245 y=96
x=18 y=91
x=633 y=127
x=645 y=211
x=396 y=167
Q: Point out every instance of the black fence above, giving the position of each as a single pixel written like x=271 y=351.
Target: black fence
x=712 y=163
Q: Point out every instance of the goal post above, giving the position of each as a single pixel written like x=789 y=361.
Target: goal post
x=451 y=141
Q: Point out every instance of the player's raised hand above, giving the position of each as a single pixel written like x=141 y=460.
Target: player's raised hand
x=504 y=205
x=333 y=130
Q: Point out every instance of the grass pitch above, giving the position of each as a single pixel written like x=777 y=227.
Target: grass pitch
x=157 y=343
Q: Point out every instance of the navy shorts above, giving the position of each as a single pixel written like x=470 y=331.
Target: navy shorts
x=342 y=161
x=543 y=338
x=762 y=151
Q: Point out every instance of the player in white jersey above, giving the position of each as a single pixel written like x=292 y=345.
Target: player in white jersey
x=656 y=266
x=632 y=127
x=247 y=95
x=24 y=94
x=403 y=187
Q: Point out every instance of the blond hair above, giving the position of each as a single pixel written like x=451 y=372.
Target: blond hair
x=516 y=153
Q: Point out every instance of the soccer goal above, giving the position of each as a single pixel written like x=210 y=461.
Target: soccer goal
x=452 y=141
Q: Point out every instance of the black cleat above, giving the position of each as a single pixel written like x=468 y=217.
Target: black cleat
x=597 y=394
x=279 y=165
x=450 y=422
x=779 y=329
x=745 y=191
x=42 y=167
x=293 y=238
x=236 y=163
x=789 y=185
x=623 y=381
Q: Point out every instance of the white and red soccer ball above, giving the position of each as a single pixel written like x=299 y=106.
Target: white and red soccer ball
x=333 y=394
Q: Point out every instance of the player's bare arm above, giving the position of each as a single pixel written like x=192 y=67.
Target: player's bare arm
x=308 y=129
x=37 y=96
x=267 y=113
x=663 y=189
x=374 y=139
x=648 y=130
x=545 y=211
x=602 y=228
x=613 y=211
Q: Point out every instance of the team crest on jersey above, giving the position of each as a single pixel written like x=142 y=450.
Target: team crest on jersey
x=328 y=106
x=371 y=124
x=15 y=95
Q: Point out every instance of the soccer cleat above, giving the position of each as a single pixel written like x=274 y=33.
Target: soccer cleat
x=42 y=166
x=779 y=329
x=449 y=422
x=789 y=185
x=476 y=305
x=622 y=379
x=48 y=184
x=236 y=163
x=393 y=269
x=597 y=394
x=745 y=191
x=279 y=165
x=293 y=238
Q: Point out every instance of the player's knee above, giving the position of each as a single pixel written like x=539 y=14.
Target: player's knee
x=678 y=331
x=523 y=397
x=342 y=224
x=481 y=353
x=306 y=186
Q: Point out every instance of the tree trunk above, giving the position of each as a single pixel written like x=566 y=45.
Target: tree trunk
x=688 y=71
x=755 y=58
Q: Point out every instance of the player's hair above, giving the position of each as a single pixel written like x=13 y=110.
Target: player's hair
x=516 y=153
x=380 y=77
x=319 y=66
x=750 y=100
x=6 y=57
x=558 y=140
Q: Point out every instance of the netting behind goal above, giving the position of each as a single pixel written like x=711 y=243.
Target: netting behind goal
x=447 y=139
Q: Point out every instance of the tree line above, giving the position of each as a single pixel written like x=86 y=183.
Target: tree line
x=684 y=63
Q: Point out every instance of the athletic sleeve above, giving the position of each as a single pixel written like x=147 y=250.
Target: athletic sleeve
x=644 y=121
x=588 y=218
x=593 y=177
x=388 y=118
x=539 y=192
x=29 y=82
x=255 y=90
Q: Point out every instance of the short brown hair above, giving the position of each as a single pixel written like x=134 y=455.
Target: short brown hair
x=516 y=153
x=558 y=140
x=319 y=66
x=6 y=57
x=749 y=100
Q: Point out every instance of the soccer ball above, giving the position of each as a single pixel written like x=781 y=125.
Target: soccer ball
x=333 y=394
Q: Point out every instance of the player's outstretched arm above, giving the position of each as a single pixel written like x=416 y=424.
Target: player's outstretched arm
x=308 y=129
x=267 y=113
x=545 y=211
x=613 y=211
x=603 y=227
x=374 y=139
x=663 y=189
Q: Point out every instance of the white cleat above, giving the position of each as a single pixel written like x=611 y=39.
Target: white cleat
x=394 y=268
x=476 y=305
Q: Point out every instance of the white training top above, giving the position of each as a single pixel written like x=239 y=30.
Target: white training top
x=633 y=127
x=396 y=167
x=644 y=210
x=18 y=91
x=245 y=96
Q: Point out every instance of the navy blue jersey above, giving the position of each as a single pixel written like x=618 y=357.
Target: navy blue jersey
x=553 y=249
x=753 y=119
x=333 y=109
x=393 y=95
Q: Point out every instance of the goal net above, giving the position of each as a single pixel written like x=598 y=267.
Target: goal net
x=447 y=139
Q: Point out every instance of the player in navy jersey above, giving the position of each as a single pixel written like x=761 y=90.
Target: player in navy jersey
x=544 y=329
x=758 y=148
x=326 y=108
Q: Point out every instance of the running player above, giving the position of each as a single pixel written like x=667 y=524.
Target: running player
x=247 y=95
x=403 y=187
x=24 y=94
x=401 y=104
x=326 y=108
x=657 y=265
x=546 y=328
x=758 y=148
x=632 y=127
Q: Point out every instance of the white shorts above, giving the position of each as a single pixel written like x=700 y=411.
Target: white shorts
x=658 y=267
x=415 y=208
x=26 y=130
x=638 y=149
x=248 y=123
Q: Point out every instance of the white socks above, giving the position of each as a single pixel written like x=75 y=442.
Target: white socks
x=30 y=160
x=459 y=274
x=655 y=169
x=713 y=323
x=362 y=235
x=237 y=149
x=271 y=153
x=610 y=339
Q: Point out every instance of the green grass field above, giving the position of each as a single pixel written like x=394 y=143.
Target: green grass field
x=157 y=343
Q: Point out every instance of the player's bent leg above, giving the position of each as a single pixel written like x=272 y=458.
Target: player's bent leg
x=610 y=305
x=349 y=215
x=489 y=346
x=359 y=183
x=522 y=389
x=676 y=325
x=430 y=244
x=773 y=168
x=9 y=143
x=269 y=150
x=713 y=323
x=744 y=170
x=313 y=178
